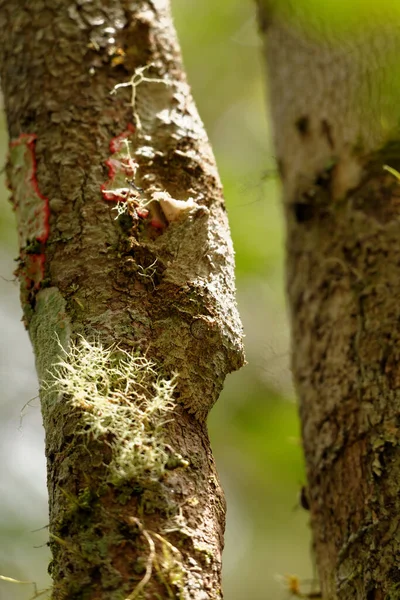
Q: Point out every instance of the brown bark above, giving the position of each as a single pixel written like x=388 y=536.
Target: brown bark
x=161 y=285
x=335 y=115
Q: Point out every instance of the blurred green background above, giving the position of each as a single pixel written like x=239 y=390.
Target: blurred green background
x=254 y=427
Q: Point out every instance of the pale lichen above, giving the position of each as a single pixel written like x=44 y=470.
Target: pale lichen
x=137 y=78
x=123 y=401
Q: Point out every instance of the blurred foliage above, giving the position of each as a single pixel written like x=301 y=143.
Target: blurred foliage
x=339 y=17
x=254 y=426
x=363 y=35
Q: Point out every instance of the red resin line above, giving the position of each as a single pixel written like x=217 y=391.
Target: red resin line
x=34 y=263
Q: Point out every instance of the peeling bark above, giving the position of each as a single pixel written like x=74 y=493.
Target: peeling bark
x=157 y=280
x=335 y=114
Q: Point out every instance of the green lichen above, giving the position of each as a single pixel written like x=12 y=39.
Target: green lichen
x=49 y=331
x=33 y=247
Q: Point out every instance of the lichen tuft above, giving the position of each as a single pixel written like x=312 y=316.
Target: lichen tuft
x=123 y=401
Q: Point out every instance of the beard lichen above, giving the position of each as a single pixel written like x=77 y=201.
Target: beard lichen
x=123 y=401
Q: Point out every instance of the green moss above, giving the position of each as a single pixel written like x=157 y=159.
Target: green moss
x=205 y=553
x=155 y=500
x=86 y=498
x=394 y=593
x=96 y=548
x=46 y=282
x=33 y=247
x=127 y=491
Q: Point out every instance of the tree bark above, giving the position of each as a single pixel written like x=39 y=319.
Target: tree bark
x=131 y=312
x=335 y=113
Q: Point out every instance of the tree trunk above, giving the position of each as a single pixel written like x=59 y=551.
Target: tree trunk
x=335 y=115
x=127 y=286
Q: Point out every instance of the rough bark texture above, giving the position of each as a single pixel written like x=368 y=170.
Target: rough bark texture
x=335 y=112
x=160 y=284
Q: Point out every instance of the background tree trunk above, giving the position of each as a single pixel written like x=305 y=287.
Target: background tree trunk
x=335 y=112
x=161 y=285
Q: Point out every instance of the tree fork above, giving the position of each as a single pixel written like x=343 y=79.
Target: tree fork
x=130 y=311
x=334 y=112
